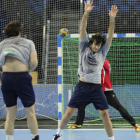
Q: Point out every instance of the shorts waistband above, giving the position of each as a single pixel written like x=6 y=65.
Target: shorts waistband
x=13 y=73
x=86 y=83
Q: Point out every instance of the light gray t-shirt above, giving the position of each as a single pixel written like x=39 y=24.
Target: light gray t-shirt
x=17 y=47
x=90 y=63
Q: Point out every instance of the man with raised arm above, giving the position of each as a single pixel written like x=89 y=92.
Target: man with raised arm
x=91 y=59
x=111 y=99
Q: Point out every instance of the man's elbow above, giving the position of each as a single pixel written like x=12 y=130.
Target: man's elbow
x=34 y=63
x=110 y=36
x=82 y=29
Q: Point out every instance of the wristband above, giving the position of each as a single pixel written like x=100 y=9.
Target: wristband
x=88 y=2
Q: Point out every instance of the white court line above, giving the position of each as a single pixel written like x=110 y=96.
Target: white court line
x=97 y=129
x=74 y=129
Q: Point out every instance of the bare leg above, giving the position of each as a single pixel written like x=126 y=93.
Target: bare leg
x=107 y=123
x=66 y=117
x=10 y=119
x=31 y=119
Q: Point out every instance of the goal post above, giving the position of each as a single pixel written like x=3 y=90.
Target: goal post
x=123 y=55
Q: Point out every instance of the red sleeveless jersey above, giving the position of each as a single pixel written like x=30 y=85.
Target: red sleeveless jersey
x=105 y=77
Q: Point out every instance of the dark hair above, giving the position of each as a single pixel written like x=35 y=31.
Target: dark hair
x=99 y=37
x=12 y=29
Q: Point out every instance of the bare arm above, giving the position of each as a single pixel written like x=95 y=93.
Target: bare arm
x=88 y=8
x=83 y=32
x=110 y=32
x=111 y=28
x=33 y=61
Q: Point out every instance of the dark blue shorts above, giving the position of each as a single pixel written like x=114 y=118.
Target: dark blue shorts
x=88 y=92
x=17 y=84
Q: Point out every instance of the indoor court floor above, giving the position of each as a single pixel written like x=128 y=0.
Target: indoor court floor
x=78 y=134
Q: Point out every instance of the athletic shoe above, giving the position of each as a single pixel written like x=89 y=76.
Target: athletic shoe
x=137 y=128
x=56 y=137
x=36 y=137
x=75 y=126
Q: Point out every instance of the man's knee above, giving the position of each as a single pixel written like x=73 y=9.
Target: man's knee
x=11 y=117
x=104 y=114
x=30 y=110
x=30 y=114
x=70 y=112
x=11 y=113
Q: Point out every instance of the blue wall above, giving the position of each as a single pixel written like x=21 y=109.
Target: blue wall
x=47 y=101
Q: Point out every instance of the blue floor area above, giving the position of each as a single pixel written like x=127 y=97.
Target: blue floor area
x=80 y=134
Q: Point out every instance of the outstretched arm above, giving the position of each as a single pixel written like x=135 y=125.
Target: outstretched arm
x=88 y=8
x=111 y=28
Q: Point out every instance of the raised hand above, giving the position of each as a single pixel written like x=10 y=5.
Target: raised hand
x=88 y=6
x=113 y=12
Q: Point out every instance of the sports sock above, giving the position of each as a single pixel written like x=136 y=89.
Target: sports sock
x=111 y=138
x=9 y=137
x=35 y=137
x=59 y=131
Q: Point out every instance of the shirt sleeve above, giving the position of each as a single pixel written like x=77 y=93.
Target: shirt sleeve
x=84 y=43
x=32 y=47
x=105 y=50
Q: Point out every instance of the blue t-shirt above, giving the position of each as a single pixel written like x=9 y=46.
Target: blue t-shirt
x=90 y=63
x=17 y=47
